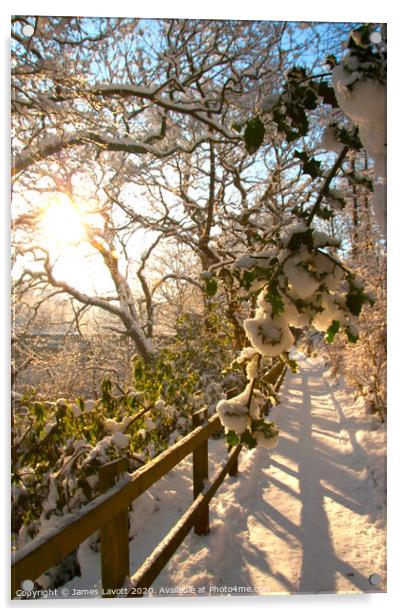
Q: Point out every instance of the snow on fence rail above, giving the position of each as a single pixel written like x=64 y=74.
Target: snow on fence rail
x=108 y=512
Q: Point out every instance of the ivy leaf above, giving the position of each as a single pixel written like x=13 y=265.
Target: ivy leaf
x=254 y=135
x=292 y=363
x=211 y=287
x=268 y=428
x=106 y=386
x=301 y=238
x=332 y=330
x=310 y=98
x=325 y=213
x=248 y=439
x=232 y=439
x=349 y=137
x=283 y=127
x=355 y=299
x=138 y=370
x=350 y=336
x=327 y=94
x=354 y=302
x=106 y=389
x=249 y=276
x=331 y=60
x=275 y=299
x=310 y=166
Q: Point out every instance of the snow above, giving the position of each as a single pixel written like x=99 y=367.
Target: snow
x=252 y=368
x=246 y=354
x=366 y=105
x=76 y=410
x=89 y=405
x=270 y=336
x=302 y=281
x=331 y=312
x=49 y=427
x=206 y=275
x=170 y=411
x=150 y=425
x=264 y=441
x=245 y=262
x=329 y=140
x=120 y=440
x=308 y=517
x=380 y=205
x=292 y=315
x=321 y=239
x=269 y=102
x=111 y=426
x=160 y=405
x=234 y=413
x=291 y=230
x=335 y=198
x=323 y=263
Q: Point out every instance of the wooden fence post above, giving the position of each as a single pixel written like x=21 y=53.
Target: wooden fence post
x=114 y=534
x=233 y=472
x=200 y=468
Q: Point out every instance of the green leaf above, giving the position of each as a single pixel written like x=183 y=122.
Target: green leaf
x=254 y=135
x=325 y=213
x=275 y=299
x=248 y=439
x=293 y=365
x=331 y=60
x=332 y=330
x=106 y=386
x=268 y=428
x=301 y=238
x=356 y=297
x=354 y=302
x=350 y=336
x=310 y=98
x=310 y=166
x=349 y=137
x=232 y=438
x=327 y=94
x=211 y=287
x=138 y=369
x=249 y=276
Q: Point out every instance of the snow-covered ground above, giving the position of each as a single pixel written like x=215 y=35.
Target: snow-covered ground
x=307 y=517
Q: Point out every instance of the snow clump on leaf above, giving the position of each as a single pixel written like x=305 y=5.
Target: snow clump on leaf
x=235 y=414
x=270 y=336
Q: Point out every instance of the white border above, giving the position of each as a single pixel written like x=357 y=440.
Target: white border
x=293 y=10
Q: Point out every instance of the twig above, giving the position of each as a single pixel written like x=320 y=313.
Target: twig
x=324 y=189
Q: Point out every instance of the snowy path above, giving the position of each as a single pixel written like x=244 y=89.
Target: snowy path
x=306 y=517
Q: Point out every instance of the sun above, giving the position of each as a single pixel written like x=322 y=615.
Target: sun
x=62 y=221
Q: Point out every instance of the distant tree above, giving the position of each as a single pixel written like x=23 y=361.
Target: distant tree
x=144 y=117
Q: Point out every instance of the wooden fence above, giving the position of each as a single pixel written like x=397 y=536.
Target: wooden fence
x=109 y=512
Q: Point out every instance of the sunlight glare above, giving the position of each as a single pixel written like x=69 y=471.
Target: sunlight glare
x=62 y=221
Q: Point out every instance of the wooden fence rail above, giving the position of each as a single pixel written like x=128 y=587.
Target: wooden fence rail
x=109 y=512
